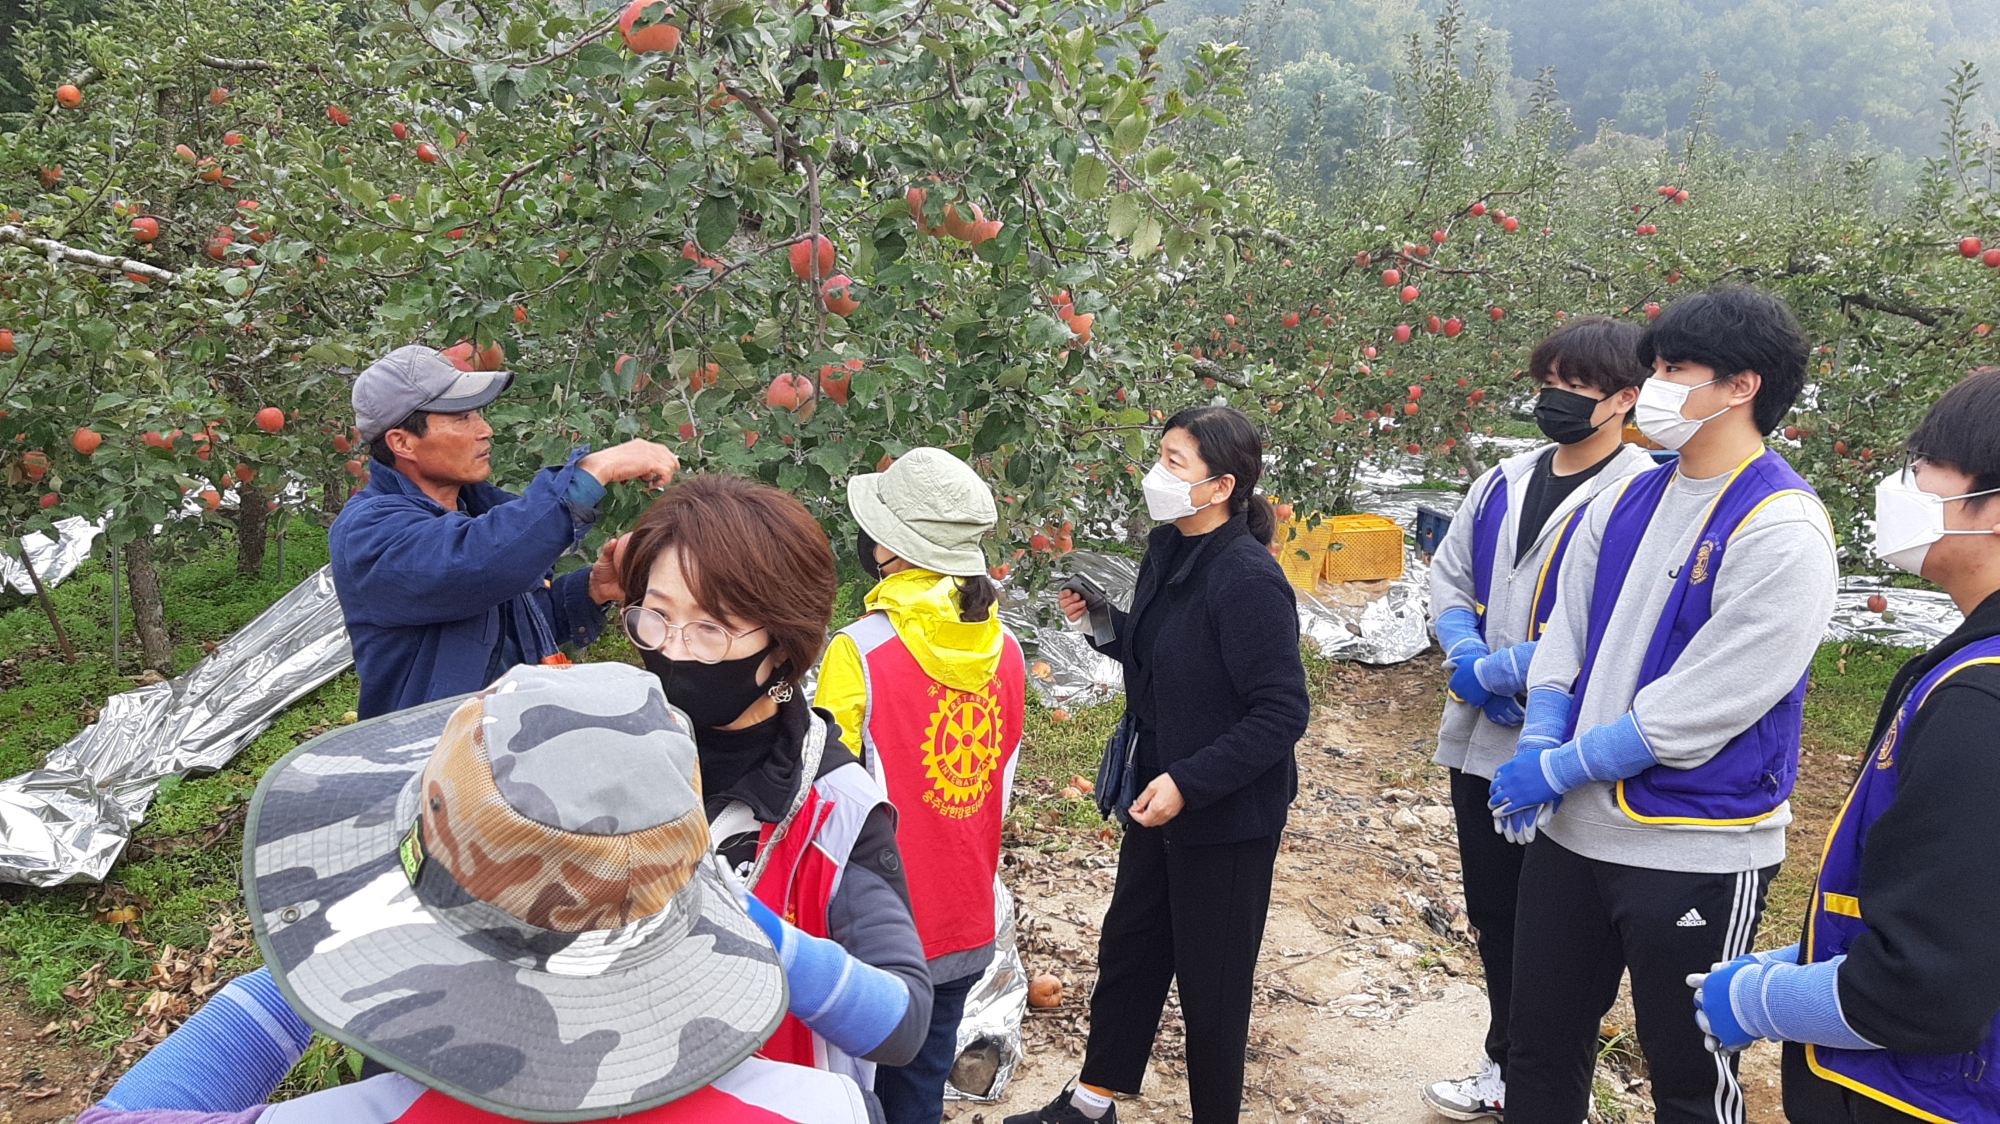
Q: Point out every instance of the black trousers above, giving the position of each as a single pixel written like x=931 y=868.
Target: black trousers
x=1192 y=914
x=1582 y=923
x=1492 y=872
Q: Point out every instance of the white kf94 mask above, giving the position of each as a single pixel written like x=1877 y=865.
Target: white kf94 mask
x=1658 y=412
x=1908 y=520
x=1168 y=496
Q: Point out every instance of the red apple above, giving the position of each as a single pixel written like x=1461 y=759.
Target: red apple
x=270 y=419
x=802 y=259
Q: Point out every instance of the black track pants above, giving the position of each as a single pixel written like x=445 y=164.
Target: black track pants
x=1492 y=874
x=1193 y=915
x=1582 y=923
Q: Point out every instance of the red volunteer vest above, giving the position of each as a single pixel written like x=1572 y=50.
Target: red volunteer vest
x=755 y=1092
x=799 y=882
x=947 y=759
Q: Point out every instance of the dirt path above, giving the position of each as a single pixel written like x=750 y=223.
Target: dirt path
x=1368 y=981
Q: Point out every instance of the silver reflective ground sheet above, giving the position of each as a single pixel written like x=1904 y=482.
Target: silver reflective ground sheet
x=70 y=818
x=53 y=560
x=989 y=1034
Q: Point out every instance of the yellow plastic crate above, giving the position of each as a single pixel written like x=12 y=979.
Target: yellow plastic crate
x=1362 y=548
x=1302 y=551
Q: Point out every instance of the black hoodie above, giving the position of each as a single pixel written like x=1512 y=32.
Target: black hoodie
x=1924 y=978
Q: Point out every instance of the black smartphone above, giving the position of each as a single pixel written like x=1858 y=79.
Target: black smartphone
x=1097 y=605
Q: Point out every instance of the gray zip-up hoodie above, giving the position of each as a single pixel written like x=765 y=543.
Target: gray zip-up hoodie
x=1773 y=596
x=1466 y=740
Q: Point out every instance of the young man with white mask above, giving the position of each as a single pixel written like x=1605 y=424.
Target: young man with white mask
x=1493 y=586
x=1661 y=738
x=1889 y=1007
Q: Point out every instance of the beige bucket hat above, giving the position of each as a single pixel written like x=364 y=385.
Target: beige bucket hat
x=930 y=508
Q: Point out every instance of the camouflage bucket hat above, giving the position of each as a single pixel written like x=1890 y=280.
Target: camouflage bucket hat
x=506 y=897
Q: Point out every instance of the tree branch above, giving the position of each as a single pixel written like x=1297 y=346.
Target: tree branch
x=1927 y=315
x=58 y=252
x=1210 y=370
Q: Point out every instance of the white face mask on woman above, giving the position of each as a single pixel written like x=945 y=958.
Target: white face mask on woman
x=1658 y=412
x=1168 y=497
x=1908 y=520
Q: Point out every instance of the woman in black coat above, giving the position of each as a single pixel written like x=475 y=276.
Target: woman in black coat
x=1217 y=693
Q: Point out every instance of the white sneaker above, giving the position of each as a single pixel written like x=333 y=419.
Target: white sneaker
x=1479 y=1097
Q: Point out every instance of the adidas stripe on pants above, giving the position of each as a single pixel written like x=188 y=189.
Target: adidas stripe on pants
x=1581 y=924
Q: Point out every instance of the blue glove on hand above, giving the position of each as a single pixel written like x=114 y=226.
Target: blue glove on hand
x=1521 y=783
x=1502 y=710
x=1770 y=995
x=1505 y=672
x=1712 y=1010
x=1465 y=683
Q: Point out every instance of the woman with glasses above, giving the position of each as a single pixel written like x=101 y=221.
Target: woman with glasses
x=729 y=591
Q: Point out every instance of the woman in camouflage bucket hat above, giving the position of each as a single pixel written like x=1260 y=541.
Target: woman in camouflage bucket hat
x=508 y=899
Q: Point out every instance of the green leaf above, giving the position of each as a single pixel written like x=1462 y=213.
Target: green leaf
x=1147 y=239
x=715 y=222
x=1129 y=134
x=1088 y=176
x=1122 y=218
x=1013 y=300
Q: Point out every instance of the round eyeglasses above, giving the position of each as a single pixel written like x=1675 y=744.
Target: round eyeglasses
x=704 y=641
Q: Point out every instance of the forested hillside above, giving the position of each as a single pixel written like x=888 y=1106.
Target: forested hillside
x=1865 y=70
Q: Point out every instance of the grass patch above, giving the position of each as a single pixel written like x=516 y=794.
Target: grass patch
x=183 y=864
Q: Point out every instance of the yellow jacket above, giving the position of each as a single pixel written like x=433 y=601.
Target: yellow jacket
x=923 y=609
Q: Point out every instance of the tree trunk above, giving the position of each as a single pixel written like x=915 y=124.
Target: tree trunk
x=332 y=496
x=149 y=612
x=251 y=528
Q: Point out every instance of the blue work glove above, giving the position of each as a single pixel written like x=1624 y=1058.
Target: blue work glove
x=1713 y=1011
x=1502 y=710
x=1521 y=783
x=1769 y=995
x=1505 y=672
x=1465 y=683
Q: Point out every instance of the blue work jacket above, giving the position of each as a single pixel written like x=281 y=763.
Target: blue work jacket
x=422 y=587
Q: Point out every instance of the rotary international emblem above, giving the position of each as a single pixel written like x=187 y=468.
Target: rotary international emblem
x=961 y=747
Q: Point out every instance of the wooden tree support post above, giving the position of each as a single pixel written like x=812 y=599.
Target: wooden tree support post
x=48 y=606
x=114 y=607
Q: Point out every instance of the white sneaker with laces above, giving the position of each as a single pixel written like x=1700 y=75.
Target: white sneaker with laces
x=1479 y=1097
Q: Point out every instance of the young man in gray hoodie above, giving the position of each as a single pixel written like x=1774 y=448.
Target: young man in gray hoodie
x=1493 y=585
x=1664 y=707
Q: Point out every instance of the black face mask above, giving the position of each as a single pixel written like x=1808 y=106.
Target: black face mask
x=864 y=549
x=1564 y=415
x=711 y=694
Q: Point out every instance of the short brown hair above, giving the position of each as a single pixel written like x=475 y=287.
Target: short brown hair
x=750 y=552
x=1596 y=351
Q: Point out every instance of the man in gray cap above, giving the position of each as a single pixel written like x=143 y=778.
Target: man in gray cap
x=445 y=580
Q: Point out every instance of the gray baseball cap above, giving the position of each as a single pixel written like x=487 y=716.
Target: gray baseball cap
x=415 y=378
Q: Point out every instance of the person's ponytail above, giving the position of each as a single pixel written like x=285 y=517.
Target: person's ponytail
x=1230 y=446
x=976 y=596
x=1263 y=519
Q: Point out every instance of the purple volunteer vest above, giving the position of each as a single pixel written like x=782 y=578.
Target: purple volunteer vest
x=1486 y=523
x=1950 y=1088
x=1752 y=775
